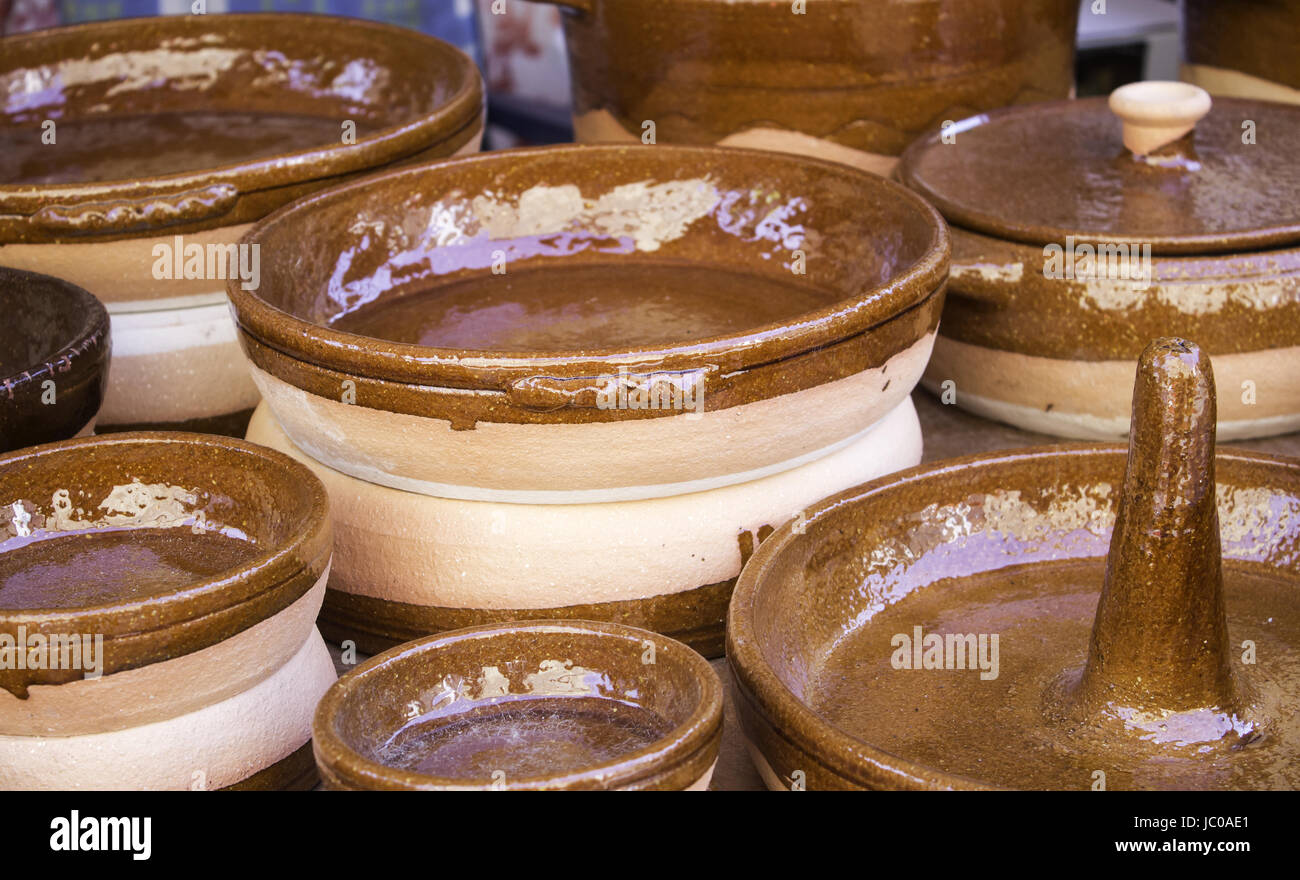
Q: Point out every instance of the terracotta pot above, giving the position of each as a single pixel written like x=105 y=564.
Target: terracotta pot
x=848 y=80
x=1243 y=48
x=1071 y=249
x=136 y=153
x=54 y=362
x=527 y=706
x=408 y=564
x=591 y=324
x=188 y=570
x=1035 y=683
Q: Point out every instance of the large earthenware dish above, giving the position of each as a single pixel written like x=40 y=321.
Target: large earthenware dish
x=54 y=353
x=200 y=563
x=1072 y=248
x=848 y=80
x=575 y=324
x=127 y=147
x=525 y=706
x=935 y=629
x=1243 y=48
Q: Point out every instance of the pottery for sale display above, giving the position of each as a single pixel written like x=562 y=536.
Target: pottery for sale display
x=1069 y=617
x=1081 y=230
x=1243 y=48
x=54 y=354
x=158 y=599
x=134 y=154
x=848 y=80
x=550 y=704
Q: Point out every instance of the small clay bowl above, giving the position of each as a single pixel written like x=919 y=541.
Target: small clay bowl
x=135 y=153
x=832 y=625
x=848 y=80
x=1243 y=49
x=525 y=706
x=54 y=354
x=585 y=324
x=189 y=569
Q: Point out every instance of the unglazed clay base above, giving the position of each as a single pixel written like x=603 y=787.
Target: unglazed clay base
x=1235 y=84
x=1092 y=400
x=213 y=747
x=176 y=365
x=168 y=689
x=649 y=458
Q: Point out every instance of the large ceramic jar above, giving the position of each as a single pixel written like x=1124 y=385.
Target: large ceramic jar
x=1243 y=48
x=848 y=80
x=1082 y=230
x=134 y=154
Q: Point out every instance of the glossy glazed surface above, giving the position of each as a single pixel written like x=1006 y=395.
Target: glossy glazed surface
x=1257 y=37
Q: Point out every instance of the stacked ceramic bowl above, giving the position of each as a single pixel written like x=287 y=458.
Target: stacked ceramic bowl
x=1243 y=48
x=158 y=599
x=585 y=382
x=134 y=154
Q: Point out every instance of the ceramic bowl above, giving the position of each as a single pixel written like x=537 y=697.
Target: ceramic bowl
x=847 y=80
x=1242 y=49
x=54 y=354
x=136 y=153
x=407 y=564
x=526 y=706
x=179 y=576
x=588 y=324
x=1069 y=259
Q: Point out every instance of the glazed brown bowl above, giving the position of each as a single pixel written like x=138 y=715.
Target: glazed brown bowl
x=54 y=355
x=524 y=706
x=1243 y=48
x=847 y=80
x=813 y=296
x=196 y=566
x=135 y=153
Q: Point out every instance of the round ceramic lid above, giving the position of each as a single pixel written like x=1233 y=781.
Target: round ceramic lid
x=1039 y=173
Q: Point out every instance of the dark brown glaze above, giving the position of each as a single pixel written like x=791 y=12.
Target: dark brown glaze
x=1038 y=174
x=185 y=481
x=535 y=681
x=230 y=425
x=1052 y=317
x=694 y=617
x=52 y=331
x=1258 y=37
x=1015 y=544
x=279 y=99
x=868 y=75
x=875 y=256
x=294 y=772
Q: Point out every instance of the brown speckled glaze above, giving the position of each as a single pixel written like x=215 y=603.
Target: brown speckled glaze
x=464 y=680
x=229 y=486
x=1190 y=553
x=411 y=97
x=865 y=74
x=1256 y=37
x=52 y=331
x=881 y=291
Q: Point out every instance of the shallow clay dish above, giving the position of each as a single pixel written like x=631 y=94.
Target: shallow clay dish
x=1083 y=229
x=586 y=324
x=1243 y=48
x=527 y=706
x=188 y=570
x=942 y=628
x=54 y=353
x=118 y=137
x=848 y=80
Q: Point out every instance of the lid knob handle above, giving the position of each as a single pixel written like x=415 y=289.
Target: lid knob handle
x=1158 y=112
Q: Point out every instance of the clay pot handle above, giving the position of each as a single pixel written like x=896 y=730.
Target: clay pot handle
x=150 y=212
x=1158 y=112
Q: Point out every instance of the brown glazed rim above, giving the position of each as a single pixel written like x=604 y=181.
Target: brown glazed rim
x=493 y=370
x=677 y=747
x=144 y=631
x=1000 y=226
x=391 y=144
x=90 y=338
x=846 y=756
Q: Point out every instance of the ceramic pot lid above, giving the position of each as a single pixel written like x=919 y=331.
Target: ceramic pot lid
x=1193 y=182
